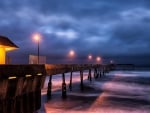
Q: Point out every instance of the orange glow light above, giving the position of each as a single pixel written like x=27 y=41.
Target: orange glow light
x=37 y=36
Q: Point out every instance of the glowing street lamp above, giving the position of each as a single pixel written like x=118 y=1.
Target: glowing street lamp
x=37 y=38
x=89 y=58
x=98 y=59
x=71 y=53
x=5 y=45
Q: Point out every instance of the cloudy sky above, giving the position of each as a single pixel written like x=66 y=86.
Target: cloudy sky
x=112 y=29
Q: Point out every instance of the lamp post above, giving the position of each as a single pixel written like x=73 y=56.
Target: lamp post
x=37 y=38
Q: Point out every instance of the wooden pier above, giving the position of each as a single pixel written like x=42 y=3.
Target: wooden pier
x=20 y=85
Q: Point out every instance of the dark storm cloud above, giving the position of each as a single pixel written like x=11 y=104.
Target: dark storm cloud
x=99 y=27
x=132 y=34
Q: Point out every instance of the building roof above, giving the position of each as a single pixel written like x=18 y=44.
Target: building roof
x=7 y=43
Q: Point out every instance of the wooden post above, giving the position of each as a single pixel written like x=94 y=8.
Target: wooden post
x=96 y=73
x=64 y=94
x=90 y=75
x=103 y=70
x=100 y=72
x=81 y=77
x=70 y=85
x=49 y=90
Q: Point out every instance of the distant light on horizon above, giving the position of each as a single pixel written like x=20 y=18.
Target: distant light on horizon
x=90 y=57
x=111 y=61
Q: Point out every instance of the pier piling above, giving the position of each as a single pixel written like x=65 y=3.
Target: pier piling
x=70 y=84
x=64 y=92
x=81 y=78
x=49 y=89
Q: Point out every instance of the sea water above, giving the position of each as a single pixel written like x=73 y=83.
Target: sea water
x=116 y=92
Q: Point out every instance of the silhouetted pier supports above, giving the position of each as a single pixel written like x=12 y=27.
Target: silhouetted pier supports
x=64 y=92
x=97 y=73
x=81 y=82
x=49 y=89
x=103 y=71
x=100 y=71
x=70 y=84
x=90 y=75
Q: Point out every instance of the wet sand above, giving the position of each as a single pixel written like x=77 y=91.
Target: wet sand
x=117 y=92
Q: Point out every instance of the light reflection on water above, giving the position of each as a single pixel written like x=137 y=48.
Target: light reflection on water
x=117 y=92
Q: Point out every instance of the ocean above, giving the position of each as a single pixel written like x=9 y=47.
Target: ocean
x=116 y=92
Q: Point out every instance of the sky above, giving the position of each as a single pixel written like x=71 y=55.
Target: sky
x=116 y=30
